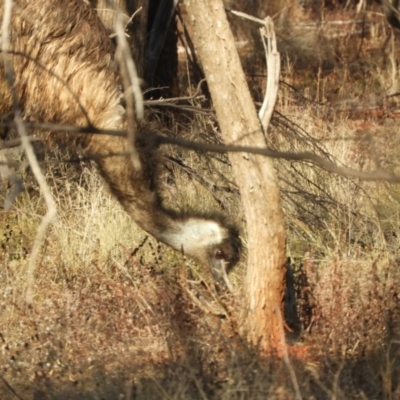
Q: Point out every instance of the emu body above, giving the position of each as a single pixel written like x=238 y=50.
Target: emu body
x=64 y=73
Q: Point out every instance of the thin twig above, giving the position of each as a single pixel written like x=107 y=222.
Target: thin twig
x=198 y=299
x=10 y=388
x=174 y=99
x=113 y=35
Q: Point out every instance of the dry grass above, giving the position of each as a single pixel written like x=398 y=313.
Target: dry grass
x=110 y=317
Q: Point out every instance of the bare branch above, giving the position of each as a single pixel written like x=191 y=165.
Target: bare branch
x=128 y=22
x=155 y=140
x=273 y=61
x=131 y=86
x=247 y=16
x=195 y=95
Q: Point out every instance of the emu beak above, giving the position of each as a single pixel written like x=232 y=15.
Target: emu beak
x=218 y=269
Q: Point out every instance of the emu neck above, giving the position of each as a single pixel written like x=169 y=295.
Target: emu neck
x=135 y=190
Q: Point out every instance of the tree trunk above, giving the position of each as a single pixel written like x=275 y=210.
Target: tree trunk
x=264 y=283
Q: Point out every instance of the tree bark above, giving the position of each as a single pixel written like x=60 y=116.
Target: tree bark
x=261 y=317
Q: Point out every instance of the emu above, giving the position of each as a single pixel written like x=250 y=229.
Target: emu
x=69 y=40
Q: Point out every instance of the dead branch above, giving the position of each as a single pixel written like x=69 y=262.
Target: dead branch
x=131 y=84
x=155 y=140
x=273 y=61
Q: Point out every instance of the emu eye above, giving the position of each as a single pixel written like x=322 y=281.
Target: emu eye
x=219 y=255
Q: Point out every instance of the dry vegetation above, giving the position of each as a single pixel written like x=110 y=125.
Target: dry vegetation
x=112 y=316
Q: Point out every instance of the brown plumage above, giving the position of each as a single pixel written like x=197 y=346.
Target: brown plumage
x=59 y=43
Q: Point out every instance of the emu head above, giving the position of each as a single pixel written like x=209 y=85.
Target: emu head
x=210 y=241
